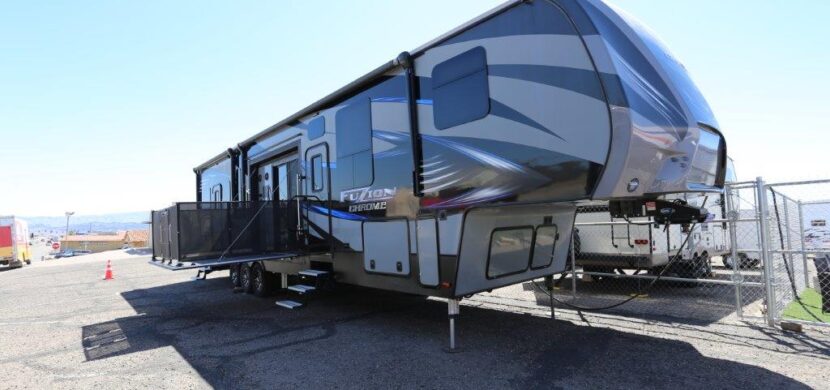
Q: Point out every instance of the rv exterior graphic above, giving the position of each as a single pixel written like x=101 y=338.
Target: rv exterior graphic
x=458 y=167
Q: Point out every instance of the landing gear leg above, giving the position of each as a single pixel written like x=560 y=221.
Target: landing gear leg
x=202 y=274
x=452 y=311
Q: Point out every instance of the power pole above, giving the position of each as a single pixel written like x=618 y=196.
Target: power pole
x=66 y=235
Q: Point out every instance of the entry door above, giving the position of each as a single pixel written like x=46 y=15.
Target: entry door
x=285 y=173
x=264 y=178
x=317 y=187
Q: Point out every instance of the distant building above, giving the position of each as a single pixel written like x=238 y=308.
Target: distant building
x=107 y=241
x=94 y=242
x=137 y=238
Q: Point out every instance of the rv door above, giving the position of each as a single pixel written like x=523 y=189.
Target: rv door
x=318 y=189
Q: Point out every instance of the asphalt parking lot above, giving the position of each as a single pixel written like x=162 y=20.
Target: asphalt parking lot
x=62 y=326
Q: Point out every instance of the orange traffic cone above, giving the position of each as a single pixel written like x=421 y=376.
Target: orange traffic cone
x=108 y=272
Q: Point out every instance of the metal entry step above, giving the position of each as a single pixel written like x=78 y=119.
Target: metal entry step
x=289 y=304
x=302 y=288
x=314 y=273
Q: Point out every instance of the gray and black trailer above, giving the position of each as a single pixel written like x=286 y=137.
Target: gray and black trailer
x=457 y=167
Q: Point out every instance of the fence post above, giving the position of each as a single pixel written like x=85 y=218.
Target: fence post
x=763 y=227
x=732 y=215
x=573 y=264
x=803 y=248
x=791 y=265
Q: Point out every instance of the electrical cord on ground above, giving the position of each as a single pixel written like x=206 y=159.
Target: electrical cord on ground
x=784 y=256
x=639 y=293
x=634 y=296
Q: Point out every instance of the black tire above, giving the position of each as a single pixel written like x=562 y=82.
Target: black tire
x=598 y=269
x=728 y=262
x=698 y=268
x=245 y=278
x=236 y=281
x=261 y=281
x=705 y=264
x=682 y=268
x=746 y=262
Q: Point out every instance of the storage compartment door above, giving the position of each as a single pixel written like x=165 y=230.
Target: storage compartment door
x=386 y=247
x=428 y=251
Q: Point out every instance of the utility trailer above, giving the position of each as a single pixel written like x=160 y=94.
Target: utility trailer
x=618 y=245
x=605 y=244
x=14 y=242
x=455 y=168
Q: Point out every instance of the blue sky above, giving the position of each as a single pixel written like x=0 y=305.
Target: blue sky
x=106 y=106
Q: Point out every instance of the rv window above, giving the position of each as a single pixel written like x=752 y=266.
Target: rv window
x=216 y=193
x=317 y=173
x=354 y=145
x=317 y=127
x=460 y=92
x=509 y=251
x=543 y=246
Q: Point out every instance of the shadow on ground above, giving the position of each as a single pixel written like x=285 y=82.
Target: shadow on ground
x=368 y=338
x=139 y=251
x=691 y=303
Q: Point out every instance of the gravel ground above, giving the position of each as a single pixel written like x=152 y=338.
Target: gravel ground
x=61 y=326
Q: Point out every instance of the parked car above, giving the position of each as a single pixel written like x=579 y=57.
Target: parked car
x=67 y=253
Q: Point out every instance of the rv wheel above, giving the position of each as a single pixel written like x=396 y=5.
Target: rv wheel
x=245 y=278
x=746 y=262
x=235 y=277
x=743 y=261
x=261 y=280
x=705 y=264
x=729 y=262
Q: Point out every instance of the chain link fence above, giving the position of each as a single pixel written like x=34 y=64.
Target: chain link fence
x=799 y=250
x=759 y=256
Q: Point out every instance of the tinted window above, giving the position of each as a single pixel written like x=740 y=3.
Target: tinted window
x=221 y=173
x=283 y=181
x=460 y=91
x=731 y=177
x=317 y=173
x=706 y=160
x=354 y=144
x=216 y=193
x=509 y=251
x=317 y=127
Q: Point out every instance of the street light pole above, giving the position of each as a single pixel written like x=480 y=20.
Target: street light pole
x=68 y=214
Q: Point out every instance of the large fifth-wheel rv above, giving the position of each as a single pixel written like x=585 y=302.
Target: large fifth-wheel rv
x=458 y=167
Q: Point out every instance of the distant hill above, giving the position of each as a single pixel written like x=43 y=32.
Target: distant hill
x=90 y=223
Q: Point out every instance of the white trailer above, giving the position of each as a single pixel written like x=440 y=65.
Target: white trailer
x=14 y=242
x=612 y=245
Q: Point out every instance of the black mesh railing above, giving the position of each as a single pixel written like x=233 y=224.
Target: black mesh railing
x=201 y=230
